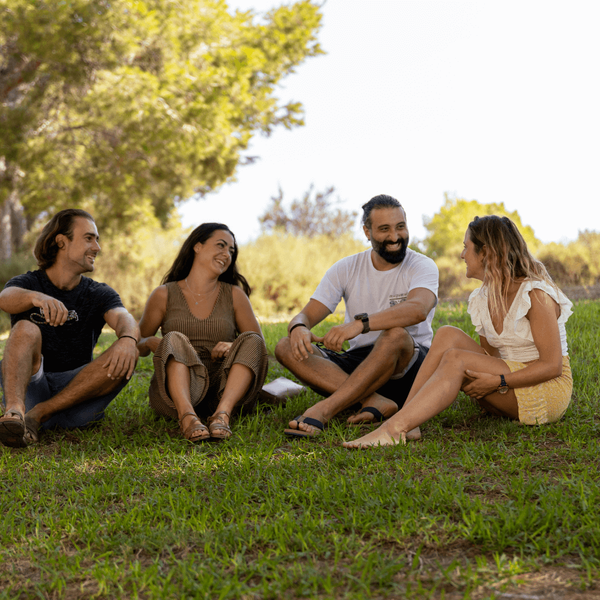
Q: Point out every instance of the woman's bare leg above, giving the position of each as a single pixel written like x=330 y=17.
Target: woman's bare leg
x=437 y=393
x=238 y=383
x=446 y=338
x=178 y=386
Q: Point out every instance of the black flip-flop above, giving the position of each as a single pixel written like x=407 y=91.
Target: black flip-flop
x=300 y=432
x=376 y=413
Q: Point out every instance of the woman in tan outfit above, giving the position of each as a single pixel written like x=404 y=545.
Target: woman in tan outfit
x=212 y=355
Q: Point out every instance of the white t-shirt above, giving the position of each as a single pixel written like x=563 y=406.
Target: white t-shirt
x=365 y=289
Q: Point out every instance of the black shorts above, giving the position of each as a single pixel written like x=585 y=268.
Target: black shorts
x=395 y=389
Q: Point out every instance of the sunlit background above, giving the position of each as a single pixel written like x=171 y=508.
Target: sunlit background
x=493 y=101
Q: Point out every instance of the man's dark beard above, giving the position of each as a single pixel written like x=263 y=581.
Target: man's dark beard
x=394 y=257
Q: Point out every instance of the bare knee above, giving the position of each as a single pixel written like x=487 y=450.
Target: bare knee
x=453 y=358
x=397 y=342
x=447 y=336
x=25 y=337
x=26 y=332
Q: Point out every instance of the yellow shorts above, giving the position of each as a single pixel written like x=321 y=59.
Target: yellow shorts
x=545 y=402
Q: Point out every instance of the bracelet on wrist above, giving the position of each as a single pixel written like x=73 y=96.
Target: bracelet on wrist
x=129 y=336
x=296 y=325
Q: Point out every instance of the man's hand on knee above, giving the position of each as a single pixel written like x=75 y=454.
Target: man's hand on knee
x=121 y=358
x=301 y=340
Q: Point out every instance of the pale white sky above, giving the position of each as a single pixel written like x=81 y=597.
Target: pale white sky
x=493 y=101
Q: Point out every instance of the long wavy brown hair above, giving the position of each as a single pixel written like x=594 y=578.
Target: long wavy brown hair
x=46 y=247
x=182 y=265
x=506 y=258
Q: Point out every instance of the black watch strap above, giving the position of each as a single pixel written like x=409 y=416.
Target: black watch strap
x=296 y=325
x=364 y=317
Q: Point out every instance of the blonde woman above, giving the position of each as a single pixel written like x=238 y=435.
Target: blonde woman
x=212 y=356
x=521 y=367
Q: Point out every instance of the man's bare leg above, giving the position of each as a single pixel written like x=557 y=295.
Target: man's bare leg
x=22 y=358
x=391 y=353
x=91 y=382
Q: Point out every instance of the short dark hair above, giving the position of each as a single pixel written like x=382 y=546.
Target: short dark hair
x=46 y=247
x=182 y=265
x=381 y=201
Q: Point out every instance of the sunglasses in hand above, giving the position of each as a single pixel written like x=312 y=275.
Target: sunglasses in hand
x=39 y=318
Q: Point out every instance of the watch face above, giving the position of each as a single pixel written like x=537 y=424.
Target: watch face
x=503 y=390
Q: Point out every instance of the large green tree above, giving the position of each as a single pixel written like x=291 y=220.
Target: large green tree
x=126 y=107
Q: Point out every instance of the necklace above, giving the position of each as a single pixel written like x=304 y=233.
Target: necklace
x=205 y=295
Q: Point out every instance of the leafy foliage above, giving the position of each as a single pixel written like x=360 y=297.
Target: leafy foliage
x=446 y=229
x=284 y=270
x=308 y=217
x=444 y=241
x=577 y=263
x=134 y=265
x=125 y=107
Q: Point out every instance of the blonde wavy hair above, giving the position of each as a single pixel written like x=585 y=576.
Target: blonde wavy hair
x=506 y=258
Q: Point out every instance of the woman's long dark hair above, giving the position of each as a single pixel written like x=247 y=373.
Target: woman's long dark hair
x=182 y=265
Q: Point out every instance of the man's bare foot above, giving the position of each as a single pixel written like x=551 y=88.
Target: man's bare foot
x=314 y=412
x=381 y=409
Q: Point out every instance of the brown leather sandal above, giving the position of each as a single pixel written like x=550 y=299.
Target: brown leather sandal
x=217 y=426
x=12 y=429
x=194 y=427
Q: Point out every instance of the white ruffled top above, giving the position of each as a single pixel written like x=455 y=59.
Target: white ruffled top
x=516 y=341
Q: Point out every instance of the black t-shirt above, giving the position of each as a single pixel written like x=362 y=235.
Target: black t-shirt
x=70 y=345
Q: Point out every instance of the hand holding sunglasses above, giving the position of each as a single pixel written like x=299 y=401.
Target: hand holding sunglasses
x=39 y=318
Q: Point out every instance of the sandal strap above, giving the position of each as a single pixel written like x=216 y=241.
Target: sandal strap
x=192 y=428
x=216 y=417
x=13 y=412
x=187 y=414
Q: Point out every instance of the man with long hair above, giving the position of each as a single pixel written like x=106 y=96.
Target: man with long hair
x=48 y=374
x=390 y=293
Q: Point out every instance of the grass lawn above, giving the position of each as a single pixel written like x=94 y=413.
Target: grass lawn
x=480 y=508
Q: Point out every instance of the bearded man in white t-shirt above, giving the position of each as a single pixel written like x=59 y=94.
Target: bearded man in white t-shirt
x=390 y=293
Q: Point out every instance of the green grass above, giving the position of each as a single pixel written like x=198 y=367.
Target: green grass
x=481 y=508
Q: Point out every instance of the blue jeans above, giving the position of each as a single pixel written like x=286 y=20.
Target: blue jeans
x=44 y=386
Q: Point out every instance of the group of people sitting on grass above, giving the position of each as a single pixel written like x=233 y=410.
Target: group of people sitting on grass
x=211 y=358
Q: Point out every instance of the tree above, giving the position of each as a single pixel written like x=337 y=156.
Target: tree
x=448 y=226
x=577 y=263
x=444 y=241
x=126 y=107
x=310 y=216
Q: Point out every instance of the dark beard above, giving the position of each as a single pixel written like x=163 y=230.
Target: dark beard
x=393 y=258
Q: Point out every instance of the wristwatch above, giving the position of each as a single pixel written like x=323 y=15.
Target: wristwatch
x=502 y=388
x=364 y=317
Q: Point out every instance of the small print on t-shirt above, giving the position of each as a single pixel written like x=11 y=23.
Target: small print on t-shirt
x=397 y=299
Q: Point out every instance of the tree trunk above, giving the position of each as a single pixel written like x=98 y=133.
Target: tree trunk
x=13 y=226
